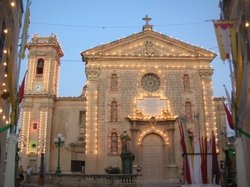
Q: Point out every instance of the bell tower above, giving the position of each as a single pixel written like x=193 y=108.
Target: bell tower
x=39 y=97
x=43 y=65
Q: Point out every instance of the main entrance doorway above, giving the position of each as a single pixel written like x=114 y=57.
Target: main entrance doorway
x=152 y=157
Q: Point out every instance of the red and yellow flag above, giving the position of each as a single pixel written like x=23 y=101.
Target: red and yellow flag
x=225 y=34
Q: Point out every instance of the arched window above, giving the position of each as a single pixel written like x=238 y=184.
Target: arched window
x=114 y=83
x=39 y=67
x=114 y=143
x=188 y=111
x=114 y=111
x=186 y=82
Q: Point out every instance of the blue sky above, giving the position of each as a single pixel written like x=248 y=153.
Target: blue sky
x=82 y=24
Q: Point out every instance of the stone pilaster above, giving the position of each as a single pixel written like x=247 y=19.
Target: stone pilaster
x=91 y=120
x=208 y=112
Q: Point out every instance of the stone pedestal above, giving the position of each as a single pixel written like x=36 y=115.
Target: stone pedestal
x=127 y=159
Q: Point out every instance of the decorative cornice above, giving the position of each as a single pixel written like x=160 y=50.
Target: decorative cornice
x=46 y=41
x=118 y=48
x=138 y=115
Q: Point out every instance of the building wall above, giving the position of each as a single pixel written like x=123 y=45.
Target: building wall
x=11 y=16
x=239 y=11
x=130 y=70
x=66 y=120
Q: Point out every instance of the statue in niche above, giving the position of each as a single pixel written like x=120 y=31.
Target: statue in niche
x=186 y=82
x=125 y=140
x=188 y=111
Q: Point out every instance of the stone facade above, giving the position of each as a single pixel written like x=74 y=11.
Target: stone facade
x=140 y=84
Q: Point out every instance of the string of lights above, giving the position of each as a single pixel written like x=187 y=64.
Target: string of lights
x=116 y=27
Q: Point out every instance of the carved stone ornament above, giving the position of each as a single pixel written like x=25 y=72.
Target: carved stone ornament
x=166 y=114
x=93 y=73
x=138 y=114
x=152 y=121
x=147 y=50
x=206 y=74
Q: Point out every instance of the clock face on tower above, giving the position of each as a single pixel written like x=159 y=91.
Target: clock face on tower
x=37 y=87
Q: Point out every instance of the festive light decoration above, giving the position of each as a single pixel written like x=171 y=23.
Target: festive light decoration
x=12 y=3
x=155 y=130
x=209 y=106
x=45 y=132
x=247 y=24
x=87 y=122
x=22 y=136
x=28 y=132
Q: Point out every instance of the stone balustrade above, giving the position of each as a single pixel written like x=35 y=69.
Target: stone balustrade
x=87 y=180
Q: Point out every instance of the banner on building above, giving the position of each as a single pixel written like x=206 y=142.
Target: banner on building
x=225 y=34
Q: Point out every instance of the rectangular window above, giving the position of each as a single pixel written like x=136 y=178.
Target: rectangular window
x=82 y=118
x=34 y=126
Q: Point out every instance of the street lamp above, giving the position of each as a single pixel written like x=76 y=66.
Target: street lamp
x=59 y=140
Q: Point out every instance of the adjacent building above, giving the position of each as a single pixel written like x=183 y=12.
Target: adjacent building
x=239 y=12
x=10 y=24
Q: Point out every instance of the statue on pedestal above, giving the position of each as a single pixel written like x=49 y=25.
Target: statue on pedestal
x=125 y=139
x=126 y=155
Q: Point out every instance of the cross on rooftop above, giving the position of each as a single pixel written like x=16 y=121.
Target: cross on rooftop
x=146 y=19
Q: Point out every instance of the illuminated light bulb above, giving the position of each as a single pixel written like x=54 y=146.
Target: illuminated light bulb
x=5 y=51
x=247 y=24
x=12 y=3
x=5 y=31
x=4 y=84
x=5 y=64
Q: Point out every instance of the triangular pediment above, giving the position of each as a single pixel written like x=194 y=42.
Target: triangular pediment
x=148 y=44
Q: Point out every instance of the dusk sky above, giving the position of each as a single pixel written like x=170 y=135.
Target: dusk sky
x=81 y=24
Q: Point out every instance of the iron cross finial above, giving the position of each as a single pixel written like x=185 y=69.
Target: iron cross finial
x=146 y=19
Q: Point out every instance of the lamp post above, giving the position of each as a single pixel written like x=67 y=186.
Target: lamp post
x=59 y=140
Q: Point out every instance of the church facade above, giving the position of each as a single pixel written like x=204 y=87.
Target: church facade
x=140 y=84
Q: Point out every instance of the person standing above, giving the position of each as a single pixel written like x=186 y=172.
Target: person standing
x=28 y=173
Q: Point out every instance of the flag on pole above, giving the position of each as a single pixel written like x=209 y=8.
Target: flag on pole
x=225 y=34
x=216 y=177
x=229 y=117
x=228 y=98
x=186 y=167
x=25 y=30
x=209 y=161
x=188 y=153
x=197 y=159
x=21 y=90
x=239 y=69
x=204 y=160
